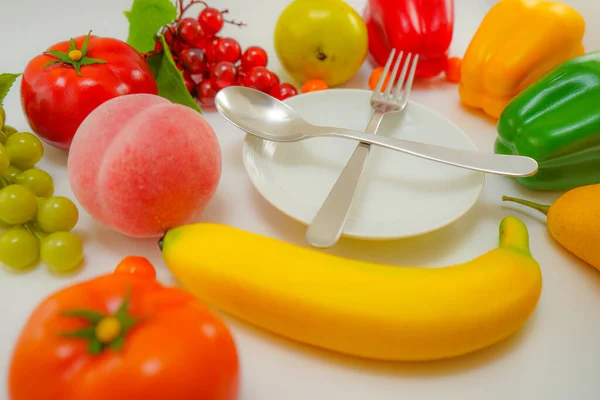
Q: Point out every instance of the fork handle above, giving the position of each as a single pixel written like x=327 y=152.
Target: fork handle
x=327 y=226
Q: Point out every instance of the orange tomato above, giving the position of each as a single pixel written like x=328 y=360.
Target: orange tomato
x=374 y=78
x=136 y=265
x=121 y=337
x=453 y=69
x=314 y=85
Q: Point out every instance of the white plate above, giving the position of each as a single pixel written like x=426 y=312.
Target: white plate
x=399 y=196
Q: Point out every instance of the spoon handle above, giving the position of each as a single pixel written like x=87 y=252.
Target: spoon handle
x=500 y=164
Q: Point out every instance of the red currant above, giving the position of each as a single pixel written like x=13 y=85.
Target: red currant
x=223 y=74
x=283 y=91
x=177 y=47
x=158 y=46
x=254 y=57
x=193 y=60
x=275 y=78
x=227 y=49
x=206 y=92
x=211 y=20
x=190 y=85
x=190 y=32
x=169 y=33
x=259 y=78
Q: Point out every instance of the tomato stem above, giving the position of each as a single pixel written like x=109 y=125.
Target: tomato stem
x=74 y=56
x=104 y=330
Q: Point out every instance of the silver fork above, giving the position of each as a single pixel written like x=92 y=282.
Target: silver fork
x=327 y=226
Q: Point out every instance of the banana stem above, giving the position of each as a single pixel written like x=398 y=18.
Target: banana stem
x=540 y=207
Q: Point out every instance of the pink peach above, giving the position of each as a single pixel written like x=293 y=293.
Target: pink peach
x=141 y=164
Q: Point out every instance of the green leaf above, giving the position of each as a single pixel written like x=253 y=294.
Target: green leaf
x=117 y=343
x=95 y=346
x=86 y=43
x=145 y=18
x=88 y=61
x=6 y=82
x=72 y=45
x=49 y=63
x=92 y=317
x=85 y=333
x=169 y=79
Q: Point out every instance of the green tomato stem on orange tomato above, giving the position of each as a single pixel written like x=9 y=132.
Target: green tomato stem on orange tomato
x=74 y=56
x=104 y=330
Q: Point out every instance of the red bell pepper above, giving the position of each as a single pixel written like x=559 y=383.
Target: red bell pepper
x=422 y=27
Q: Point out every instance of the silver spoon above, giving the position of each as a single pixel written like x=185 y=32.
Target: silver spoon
x=268 y=118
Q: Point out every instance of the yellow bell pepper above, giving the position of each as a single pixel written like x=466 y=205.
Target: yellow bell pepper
x=517 y=42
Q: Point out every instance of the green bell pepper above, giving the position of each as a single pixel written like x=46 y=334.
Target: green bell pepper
x=556 y=121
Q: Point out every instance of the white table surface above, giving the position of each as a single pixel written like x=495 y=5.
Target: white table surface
x=555 y=356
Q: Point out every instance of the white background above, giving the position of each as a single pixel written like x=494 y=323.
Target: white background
x=555 y=356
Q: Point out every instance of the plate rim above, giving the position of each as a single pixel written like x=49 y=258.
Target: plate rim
x=370 y=237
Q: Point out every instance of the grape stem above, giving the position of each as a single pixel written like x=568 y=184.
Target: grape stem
x=5 y=181
x=34 y=230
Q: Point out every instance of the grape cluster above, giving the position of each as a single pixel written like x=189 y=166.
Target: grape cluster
x=37 y=225
x=210 y=63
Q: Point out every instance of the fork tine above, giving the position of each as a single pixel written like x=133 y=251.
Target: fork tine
x=388 y=90
x=402 y=76
x=411 y=77
x=386 y=69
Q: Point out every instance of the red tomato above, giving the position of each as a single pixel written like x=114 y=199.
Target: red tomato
x=56 y=99
x=124 y=336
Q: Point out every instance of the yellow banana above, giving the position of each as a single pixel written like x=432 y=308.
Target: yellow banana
x=360 y=308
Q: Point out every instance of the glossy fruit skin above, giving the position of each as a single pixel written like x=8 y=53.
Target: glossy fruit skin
x=56 y=100
x=283 y=91
x=321 y=39
x=391 y=24
x=314 y=85
x=227 y=49
x=259 y=78
x=254 y=56
x=515 y=46
x=211 y=20
x=177 y=350
x=453 y=69
x=395 y=313
x=574 y=222
x=556 y=121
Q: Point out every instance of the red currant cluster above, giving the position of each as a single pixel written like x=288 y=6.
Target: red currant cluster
x=210 y=63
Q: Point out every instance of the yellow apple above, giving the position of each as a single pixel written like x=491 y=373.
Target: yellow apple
x=321 y=39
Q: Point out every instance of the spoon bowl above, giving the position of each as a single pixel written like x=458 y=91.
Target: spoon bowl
x=260 y=114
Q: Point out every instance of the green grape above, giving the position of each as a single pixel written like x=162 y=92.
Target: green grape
x=19 y=248
x=57 y=214
x=61 y=251
x=25 y=150
x=18 y=205
x=36 y=180
x=11 y=173
x=4 y=159
x=9 y=130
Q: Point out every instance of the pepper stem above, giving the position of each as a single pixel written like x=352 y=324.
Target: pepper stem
x=540 y=207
